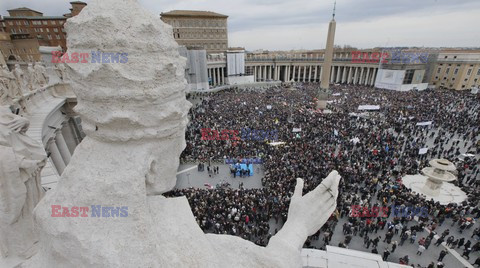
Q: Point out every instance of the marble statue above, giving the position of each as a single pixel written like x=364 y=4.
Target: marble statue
x=21 y=78
x=30 y=77
x=12 y=84
x=60 y=71
x=21 y=161
x=5 y=94
x=135 y=115
x=41 y=78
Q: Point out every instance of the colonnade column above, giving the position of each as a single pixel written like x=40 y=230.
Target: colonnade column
x=70 y=138
x=367 y=80
x=339 y=68
x=62 y=147
x=56 y=156
x=355 y=75
x=349 y=77
x=374 y=76
x=361 y=77
x=222 y=74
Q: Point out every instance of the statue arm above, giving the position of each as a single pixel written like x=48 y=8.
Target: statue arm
x=306 y=215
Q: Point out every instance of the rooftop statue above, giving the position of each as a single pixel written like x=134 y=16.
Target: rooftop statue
x=21 y=161
x=135 y=115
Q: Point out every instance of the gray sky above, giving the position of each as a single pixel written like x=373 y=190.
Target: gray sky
x=302 y=24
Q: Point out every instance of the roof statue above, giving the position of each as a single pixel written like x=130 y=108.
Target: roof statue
x=135 y=115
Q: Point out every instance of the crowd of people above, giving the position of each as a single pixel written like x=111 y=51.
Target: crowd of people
x=371 y=150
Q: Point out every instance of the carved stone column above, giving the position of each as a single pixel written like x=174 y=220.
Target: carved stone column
x=62 y=147
x=56 y=156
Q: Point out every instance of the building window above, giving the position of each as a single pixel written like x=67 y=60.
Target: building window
x=53 y=22
x=58 y=36
x=45 y=22
x=454 y=57
x=438 y=71
x=446 y=57
x=13 y=30
x=47 y=29
x=10 y=22
x=478 y=72
x=49 y=37
x=41 y=30
x=469 y=72
x=456 y=71
x=25 y=23
x=18 y=23
x=39 y=36
x=448 y=70
x=55 y=30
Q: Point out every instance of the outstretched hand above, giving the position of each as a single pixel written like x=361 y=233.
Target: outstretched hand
x=312 y=210
x=308 y=213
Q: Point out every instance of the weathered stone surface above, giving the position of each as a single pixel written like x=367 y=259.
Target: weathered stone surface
x=135 y=114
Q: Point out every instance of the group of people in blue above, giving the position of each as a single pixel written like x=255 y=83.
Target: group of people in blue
x=242 y=167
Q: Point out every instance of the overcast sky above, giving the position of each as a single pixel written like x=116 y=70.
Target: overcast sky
x=302 y=24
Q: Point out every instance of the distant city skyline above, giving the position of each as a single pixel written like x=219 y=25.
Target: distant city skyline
x=301 y=24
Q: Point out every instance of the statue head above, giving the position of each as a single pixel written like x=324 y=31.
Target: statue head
x=138 y=100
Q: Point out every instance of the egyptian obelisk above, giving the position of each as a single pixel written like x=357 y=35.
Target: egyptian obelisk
x=327 y=64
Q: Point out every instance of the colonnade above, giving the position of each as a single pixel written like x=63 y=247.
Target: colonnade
x=216 y=76
x=312 y=73
x=62 y=145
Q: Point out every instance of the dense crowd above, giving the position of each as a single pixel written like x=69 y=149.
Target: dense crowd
x=371 y=150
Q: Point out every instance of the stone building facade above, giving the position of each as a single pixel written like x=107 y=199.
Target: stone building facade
x=199 y=29
x=34 y=30
x=457 y=69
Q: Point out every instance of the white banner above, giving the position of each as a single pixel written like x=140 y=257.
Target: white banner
x=423 y=151
x=428 y=123
x=369 y=107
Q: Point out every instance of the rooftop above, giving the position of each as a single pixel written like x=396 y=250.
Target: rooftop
x=188 y=13
x=35 y=17
x=24 y=9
